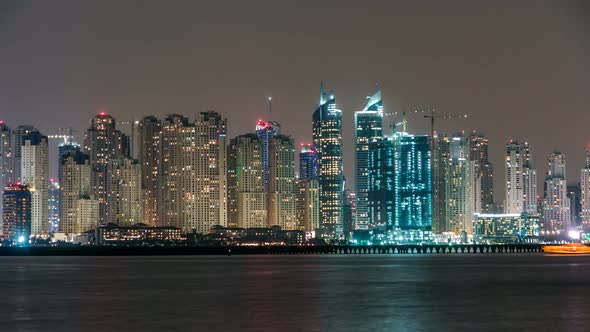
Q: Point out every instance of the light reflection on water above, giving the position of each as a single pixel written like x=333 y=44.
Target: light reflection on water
x=296 y=293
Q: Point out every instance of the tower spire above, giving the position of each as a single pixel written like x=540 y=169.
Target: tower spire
x=322 y=94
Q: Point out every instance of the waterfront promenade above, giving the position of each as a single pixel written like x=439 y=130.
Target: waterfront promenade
x=432 y=249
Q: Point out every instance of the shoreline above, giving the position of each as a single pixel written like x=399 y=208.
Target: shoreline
x=272 y=250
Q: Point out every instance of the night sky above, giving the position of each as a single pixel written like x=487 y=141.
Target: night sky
x=520 y=68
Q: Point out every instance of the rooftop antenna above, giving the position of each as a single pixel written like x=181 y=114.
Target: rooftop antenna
x=269 y=106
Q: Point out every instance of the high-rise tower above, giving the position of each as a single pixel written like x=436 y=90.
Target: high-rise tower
x=556 y=213
x=75 y=193
x=6 y=158
x=35 y=174
x=103 y=143
x=585 y=193
x=460 y=186
x=521 y=179
x=194 y=167
x=327 y=139
x=16 y=213
x=381 y=181
x=308 y=162
x=150 y=129
x=248 y=184
x=413 y=182
x=18 y=135
x=484 y=197
x=367 y=127
x=281 y=182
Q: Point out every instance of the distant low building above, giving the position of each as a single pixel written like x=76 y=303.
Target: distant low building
x=507 y=224
x=112 y=234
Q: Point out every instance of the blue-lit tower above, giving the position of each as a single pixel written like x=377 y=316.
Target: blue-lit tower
x=413 y=182
x=266 y=131
x=367 y=127
x=327 y=139
x=308 y=162
x=16 y=213
x=381 y=184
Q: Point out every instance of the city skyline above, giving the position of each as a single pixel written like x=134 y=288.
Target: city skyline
x=513 y=80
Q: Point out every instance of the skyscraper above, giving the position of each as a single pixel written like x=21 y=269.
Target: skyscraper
x=281 y=182
x=413 y=182
x=514 y=182
x=75 y=193
x=308 y=162
x=18 y=135
x=194 y=167
x=124 y=201
x=249 y=181
x=529 y=183
x=327 y=139
x=439 y=182
x=381 y=184
x=35 y=174
x=367 y=127
x=556 y=213
x=211 y=171
x=483 y=172
x=460 y=186
x=521 y=179
x=16 y=213
x=150 y=129
x=307 y=209
x=267 y=131
x=54 y=205
x=585 y=193
x=6 y=158
x=103 y=142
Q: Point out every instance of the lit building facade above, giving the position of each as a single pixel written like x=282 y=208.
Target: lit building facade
x=6 y=158
x=308 y=162
x=103 y=143
x=349 y=212
x=54 y=205
x=521 y=179
x=281 y=182
x=194 y=172
x=18 y=135
x=250 y=190
x=150 y=129
x=505 y=225
x=16 y=213
x=484 y=196
x=556 y=207
x=124 y=200
x=381 y=183
x=35 y=174
x=585 y=193
x=368 y=125
x=327 y=140
x=75 y=186
x=460 y=187
x=439 y=182
x=413 y=182
x=307 y=204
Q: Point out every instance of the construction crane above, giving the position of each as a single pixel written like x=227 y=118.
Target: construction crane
x=434 y=115
x=68 y=138
x=403 y=114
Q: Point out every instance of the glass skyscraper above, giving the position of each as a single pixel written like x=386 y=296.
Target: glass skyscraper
x=308 y=162
x=367 y=127
x=327 y=139
x=413 y=182
x=381 y=184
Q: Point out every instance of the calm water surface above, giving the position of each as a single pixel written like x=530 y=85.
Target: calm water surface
x=296 y=293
